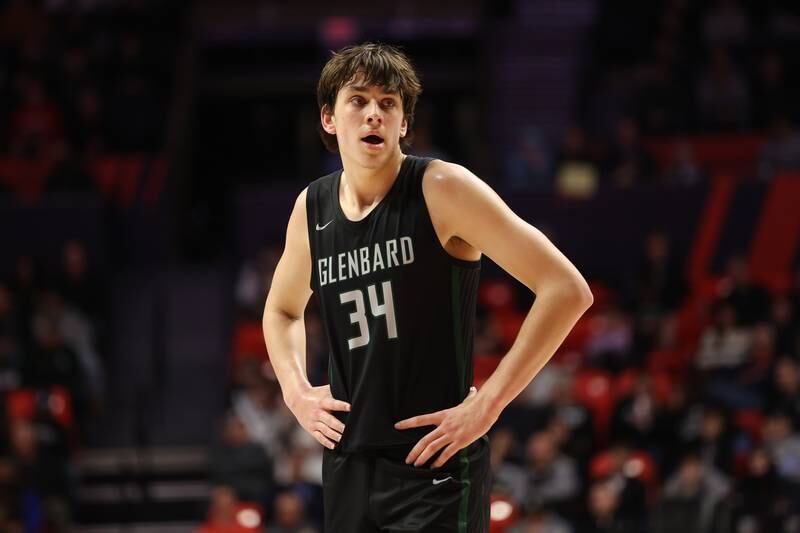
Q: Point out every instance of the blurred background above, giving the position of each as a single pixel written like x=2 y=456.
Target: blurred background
x=150 y=153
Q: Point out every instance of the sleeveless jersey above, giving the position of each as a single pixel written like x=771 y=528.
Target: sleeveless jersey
x=398 y=310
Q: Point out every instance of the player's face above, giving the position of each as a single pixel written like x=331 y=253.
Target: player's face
x=368 y=123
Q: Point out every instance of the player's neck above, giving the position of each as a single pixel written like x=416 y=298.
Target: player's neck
x=363 y=187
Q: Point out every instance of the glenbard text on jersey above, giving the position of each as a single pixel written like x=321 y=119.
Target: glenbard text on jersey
x=365 y=260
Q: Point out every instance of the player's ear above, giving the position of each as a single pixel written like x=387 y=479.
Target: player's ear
x=404 y=127
x=327 y=120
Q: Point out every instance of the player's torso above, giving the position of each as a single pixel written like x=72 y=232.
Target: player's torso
x=397 y=309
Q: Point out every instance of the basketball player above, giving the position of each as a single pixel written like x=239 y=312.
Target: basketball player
x=391 y=244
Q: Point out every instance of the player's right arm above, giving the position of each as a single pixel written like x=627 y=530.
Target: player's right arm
x=285 y=334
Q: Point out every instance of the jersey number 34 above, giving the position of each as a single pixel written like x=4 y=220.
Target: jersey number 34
x=359 y=316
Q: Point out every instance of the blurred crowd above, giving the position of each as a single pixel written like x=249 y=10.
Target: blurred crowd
x=264 y=461
x=76 y=84
x=53 y=322
x=673 y=69
x=671 y=407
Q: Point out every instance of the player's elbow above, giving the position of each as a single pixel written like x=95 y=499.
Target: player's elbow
x=578 y=292
x=570 y=290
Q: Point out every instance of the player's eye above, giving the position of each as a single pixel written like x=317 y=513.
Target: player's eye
x=357 y=100
x=388 y=103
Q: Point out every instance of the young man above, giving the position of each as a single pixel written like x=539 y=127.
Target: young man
x=392 y=244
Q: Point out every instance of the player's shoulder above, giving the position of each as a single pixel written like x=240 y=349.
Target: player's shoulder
x=443 y=179
x=322 y=180
x=323 y=183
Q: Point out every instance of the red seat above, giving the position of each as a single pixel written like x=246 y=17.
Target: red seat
x=59 y=404
x=751 y=421
x=593 y=389
x=248 y=517
x=497 y=295
x=482 y=367
x=503 y=513
x=510 y=322
x=626 y=382
x=21 y=404
x=639 y=465
x=248 y=341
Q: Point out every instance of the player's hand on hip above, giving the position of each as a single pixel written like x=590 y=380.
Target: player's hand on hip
x=456 y=428
x=312 y=409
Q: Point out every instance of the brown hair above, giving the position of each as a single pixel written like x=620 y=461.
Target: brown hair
x=380 y=64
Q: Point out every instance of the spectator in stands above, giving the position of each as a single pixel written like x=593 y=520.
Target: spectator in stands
x=24 y=288
x=576 y=172
x=636 y=415
x=604 y=514
x=684 y=169
x=761 y=500
x=67 y=172
x=570 y=423
x=690 y=498
x=74 y=333
x=787 y=327
x=9 y=322
x=261 y=409
x=628 y=162
x=782 y=443
x=37 y=123
x=670 y=429
x=87 y=124
x=724 y=346
x=42 y=479
x=509 y=478
x=55 y=362
x=781 y=151
x=289 y=515
x=722 y=94
x=772 y=94
x=552 y=476
x=611 y=343
x=529 y=166
x=715 y=439
x=255 y=278
x=784 y=393
x=240 y=463
x=10 y=364
x=750 y=299
x=539 y=519
x=10 y=504
x=80 y=286
x=622 y=466
x=661 y=286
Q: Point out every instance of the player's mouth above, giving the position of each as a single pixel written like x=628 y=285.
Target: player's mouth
x=373 y=142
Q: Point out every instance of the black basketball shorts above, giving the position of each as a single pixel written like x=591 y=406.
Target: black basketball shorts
x=374 y=492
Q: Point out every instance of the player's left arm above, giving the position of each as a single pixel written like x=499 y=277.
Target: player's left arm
x=463 y=206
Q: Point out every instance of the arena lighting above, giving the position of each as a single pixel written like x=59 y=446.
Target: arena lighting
x=500 y=510
x=248 y=518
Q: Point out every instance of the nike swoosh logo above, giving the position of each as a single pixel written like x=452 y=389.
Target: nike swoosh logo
x=439 y=481
x=319 y=228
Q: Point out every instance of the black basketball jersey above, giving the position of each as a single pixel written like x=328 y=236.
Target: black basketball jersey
x=398 y=310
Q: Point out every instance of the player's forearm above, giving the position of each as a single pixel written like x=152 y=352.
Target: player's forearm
x=285 y=337
x=552 y=316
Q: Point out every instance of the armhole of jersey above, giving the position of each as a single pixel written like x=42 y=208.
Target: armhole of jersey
x=310 y=223
x=426 y=215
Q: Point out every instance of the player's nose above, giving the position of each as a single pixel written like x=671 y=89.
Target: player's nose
x=374 y=113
